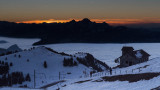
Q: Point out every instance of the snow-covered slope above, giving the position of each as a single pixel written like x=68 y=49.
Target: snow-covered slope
x=33 y=59
x=37 y=56
x=152 y=66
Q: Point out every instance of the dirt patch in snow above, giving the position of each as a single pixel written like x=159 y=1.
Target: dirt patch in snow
x=131 y=77
x=143 y=67
x=51 y=84
x=83 y=81
x=157 y=88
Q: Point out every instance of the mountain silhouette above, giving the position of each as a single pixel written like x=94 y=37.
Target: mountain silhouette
x=84 y=31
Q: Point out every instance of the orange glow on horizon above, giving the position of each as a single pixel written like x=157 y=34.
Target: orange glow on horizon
x=110 y=21
x=44 y=21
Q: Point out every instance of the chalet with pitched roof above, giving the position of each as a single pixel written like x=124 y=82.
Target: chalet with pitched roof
x=131 y=57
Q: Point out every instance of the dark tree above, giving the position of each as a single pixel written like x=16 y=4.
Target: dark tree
x=69 y=62
x=11 y=64
x=6 y=64
x=16 y=51
x=110 y=70
x=28 y=78
x=2 y=62
x=45 y=64
x=2 y=54
x=75 y=63
x=27 y=60
x=19 y=56
x=64 y=62
x=21 y=78
x=4 y=69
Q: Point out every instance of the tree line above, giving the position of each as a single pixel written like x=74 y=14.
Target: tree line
x=9 y=79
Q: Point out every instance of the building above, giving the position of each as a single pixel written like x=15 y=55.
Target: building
x=131 y=57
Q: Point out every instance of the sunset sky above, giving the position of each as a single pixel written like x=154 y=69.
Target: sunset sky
x=110 y=11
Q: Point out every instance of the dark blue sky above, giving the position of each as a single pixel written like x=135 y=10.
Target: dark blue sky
x=26 y=10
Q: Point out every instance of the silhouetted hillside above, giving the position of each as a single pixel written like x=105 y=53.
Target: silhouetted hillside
x=83 y=31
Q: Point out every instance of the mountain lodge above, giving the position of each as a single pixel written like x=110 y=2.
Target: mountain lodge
x=131 y=57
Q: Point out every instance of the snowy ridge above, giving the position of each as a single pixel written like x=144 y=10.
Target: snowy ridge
x=33 y=59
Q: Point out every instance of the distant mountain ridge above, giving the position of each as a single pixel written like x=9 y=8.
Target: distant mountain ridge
x=84 y=31
x=12 y=49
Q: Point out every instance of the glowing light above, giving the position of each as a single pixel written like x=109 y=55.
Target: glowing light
x=45 y=21
x=110 y=21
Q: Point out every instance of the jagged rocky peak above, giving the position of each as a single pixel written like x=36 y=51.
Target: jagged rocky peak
x=14 y=48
